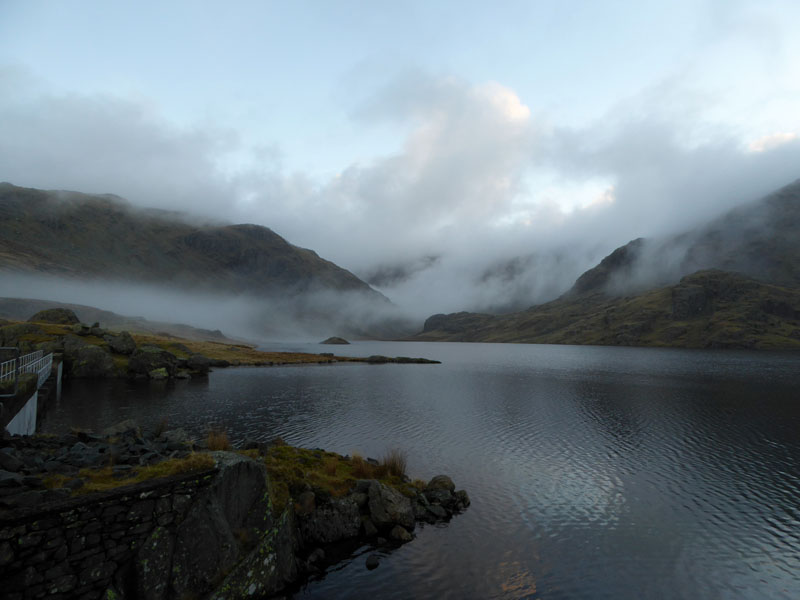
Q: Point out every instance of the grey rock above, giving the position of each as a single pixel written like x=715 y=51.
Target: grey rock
x=126 y=426
x=91 y=362
x=121 y=343
x=442 y=497
x=153 y=564
x=26 y=499
x=373 y=562
x=9 y=479
x=438 y=511
x=400 y=534
x=150 y=358
x=369 y=527
x=337 y=520
x=441 y=482
x=388 y=507
x=60 y=316
x=9 y=462
x=197 y=363
x=81 y=329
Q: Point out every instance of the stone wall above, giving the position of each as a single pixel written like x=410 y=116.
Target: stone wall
x=184 y=536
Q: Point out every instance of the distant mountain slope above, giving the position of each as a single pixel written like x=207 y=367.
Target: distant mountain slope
x=734 y=282
x=21 y=309
x=760 y=240
x=81 y=235
x=708 y=309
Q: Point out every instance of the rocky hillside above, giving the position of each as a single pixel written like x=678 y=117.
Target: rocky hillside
x=734 y=283
x=760 y=240
x=101 y=236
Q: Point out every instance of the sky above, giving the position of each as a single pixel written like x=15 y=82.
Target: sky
x=493 y=151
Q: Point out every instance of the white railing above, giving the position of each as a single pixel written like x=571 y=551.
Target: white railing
x=35 y=362
x=41 y=366
x=27 y=359
x=8 y=370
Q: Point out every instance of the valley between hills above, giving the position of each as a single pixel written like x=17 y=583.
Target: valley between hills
x=731 y=283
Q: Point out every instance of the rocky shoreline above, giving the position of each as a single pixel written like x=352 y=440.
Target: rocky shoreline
x=41 y=475
x=94 y=352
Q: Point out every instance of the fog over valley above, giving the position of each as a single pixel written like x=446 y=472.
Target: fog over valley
x=445 y=190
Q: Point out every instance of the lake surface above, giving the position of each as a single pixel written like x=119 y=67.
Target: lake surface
x=594 y=472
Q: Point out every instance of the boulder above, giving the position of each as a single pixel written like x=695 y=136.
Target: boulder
x=60 y=316
x=400 y=534
x=337 y=520
x=9 y=462
x=147 y=359
x=71 y=345
x=388 y=507
x=128 y=425
x=198 y=364
x=158 y=374
x=10 y=334
x=441 y=482
x=91 y=362
x=121 y=343
x=81 y=329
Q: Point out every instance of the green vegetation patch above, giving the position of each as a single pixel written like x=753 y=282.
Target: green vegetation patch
x=104 y=479
x=293 y=470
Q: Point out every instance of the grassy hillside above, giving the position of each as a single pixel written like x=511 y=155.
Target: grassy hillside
x=91 y=236
x=709 y=309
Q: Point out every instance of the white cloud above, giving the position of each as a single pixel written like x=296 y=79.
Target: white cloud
x=771 y=141
x=478 y=179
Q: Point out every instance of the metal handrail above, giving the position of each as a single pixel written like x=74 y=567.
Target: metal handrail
x=35 y=362
x=41 y=367
x=10 y=370
x=29 y=358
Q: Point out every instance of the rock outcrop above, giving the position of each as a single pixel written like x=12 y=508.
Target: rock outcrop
x=335 y=341
x=60 y=316
x=149 y=359
x=210 y=533
x=121 y=343
x=215 y=532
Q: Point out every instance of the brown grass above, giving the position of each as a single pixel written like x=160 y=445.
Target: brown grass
x=396 y=462
x=330 y=466
x=218 y=440
x=361 y=468
x=103 y=479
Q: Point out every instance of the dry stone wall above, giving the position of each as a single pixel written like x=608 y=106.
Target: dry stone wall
x=185 y=536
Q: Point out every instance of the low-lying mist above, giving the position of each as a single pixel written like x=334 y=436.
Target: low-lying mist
x=275 y=318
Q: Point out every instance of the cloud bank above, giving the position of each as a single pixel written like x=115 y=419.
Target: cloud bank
x=485 y=204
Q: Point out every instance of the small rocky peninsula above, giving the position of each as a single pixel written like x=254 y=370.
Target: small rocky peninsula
x=164 y=514
x=94 y=352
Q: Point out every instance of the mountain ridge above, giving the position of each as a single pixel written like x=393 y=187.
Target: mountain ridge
x=102 y=236
x=733 y=282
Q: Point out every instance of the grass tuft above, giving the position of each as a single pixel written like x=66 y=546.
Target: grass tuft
x=396 y=462
x=98 y=480
x=218 y=440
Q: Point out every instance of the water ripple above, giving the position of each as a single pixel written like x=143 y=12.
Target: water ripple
x=594 y=472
